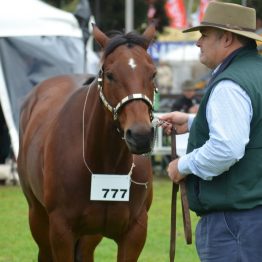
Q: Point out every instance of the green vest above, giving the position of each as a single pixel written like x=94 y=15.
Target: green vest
x=241 y=186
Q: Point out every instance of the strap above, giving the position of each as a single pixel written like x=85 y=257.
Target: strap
x=125 y=100
x=186 y=213
x=185 y=209
x=172 y=249
x=129 y=99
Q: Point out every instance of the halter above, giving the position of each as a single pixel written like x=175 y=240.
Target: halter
x=125 y=100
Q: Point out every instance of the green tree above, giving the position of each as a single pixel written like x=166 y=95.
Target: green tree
x=58 y=3
x=112 y=15
x=257 y=4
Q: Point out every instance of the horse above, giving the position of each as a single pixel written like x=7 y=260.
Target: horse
x=82 y=162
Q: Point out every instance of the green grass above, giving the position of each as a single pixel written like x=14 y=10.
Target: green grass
x=17 y=245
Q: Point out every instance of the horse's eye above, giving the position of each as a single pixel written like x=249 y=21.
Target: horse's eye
x=109 y=76
x=154 y=76
x=153 y=79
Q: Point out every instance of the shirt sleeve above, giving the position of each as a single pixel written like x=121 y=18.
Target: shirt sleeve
x=190 y=120
x=229 y=113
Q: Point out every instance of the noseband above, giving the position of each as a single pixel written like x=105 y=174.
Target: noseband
x=125 y=100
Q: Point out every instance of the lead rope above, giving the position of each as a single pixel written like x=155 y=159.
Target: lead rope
x=83 y=152
x=156 y=122
x=83 y=127
x=133 y=181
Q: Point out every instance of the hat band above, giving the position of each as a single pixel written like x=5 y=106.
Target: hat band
x=233 y=27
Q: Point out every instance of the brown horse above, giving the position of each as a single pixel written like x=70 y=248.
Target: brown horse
x=72 y=134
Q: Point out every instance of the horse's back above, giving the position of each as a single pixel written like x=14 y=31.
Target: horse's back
x=46 y=98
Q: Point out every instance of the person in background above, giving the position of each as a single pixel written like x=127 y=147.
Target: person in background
x=188 y=102
x=222 y=168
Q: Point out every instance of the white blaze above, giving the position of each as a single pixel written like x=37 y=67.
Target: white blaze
x=132 y=63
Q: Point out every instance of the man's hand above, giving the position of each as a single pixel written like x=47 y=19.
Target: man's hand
x=173 y=172
x=175 y=121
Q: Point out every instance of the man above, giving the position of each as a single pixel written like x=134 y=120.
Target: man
x=188 y=102
x=223 y=164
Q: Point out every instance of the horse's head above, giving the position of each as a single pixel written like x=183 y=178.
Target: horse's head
x=126 y=84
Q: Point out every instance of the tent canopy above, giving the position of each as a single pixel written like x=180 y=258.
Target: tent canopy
x=37 y=41
x=34 y=18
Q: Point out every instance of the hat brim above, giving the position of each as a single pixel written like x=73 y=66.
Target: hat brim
x=247 y=34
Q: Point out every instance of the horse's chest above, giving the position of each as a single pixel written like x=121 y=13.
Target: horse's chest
x=109 y=219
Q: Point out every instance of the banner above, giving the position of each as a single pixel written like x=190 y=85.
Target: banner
x=175 y=10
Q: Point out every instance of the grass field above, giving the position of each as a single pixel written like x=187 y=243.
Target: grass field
x=17 y=245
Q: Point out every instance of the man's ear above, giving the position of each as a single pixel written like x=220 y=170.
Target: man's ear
x=228 y=38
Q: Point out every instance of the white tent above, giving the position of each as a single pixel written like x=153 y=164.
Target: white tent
x=34 y=18
x=37 y=41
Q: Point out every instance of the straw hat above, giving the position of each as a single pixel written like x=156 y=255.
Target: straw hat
x=235 y=18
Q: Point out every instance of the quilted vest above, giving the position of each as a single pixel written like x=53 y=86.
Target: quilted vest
x=241 y=186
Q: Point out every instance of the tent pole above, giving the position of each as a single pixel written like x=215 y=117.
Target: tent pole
x=129 y=15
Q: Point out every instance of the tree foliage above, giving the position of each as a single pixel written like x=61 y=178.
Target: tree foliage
x=257 y=4
x=58 y=3
x=112 y=15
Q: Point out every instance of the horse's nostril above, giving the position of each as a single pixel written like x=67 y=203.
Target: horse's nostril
x=128 y=133
x=152 y=131
x=140 y=137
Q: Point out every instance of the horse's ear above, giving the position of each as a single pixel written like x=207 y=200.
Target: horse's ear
x=150 y=32
x=99 y=36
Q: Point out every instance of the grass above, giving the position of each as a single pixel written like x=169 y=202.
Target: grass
x=17 y=245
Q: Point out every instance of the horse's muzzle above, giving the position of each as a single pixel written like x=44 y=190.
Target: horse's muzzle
x=139 y=139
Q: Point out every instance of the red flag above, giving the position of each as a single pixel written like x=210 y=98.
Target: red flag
x=202 y=9
x=176 y=12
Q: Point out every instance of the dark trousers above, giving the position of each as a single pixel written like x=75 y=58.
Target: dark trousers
x=233 y=236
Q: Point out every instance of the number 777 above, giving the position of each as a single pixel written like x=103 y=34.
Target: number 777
x=114 y=192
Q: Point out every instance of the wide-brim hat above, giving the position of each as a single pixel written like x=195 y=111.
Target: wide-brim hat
x=230 y=17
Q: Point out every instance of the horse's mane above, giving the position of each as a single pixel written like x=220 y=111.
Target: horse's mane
x=118 y=38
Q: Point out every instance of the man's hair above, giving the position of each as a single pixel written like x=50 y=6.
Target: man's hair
x=245 y=40
x=242 y=39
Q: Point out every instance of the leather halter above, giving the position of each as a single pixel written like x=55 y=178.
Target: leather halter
x=125 y=100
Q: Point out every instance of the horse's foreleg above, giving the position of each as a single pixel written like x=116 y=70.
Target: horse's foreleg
x=61 y=238
x=86 y=248
x=131 y=244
